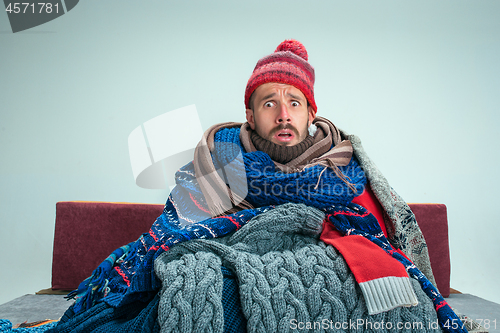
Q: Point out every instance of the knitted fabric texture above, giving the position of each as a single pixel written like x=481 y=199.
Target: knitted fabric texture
x=6 y=327
x=402 y=226
x=354 y=220
x=220 y=172
x=138 y=316
x=186 y=216
x=234 y=322
x=285 y=275
x=141 y=316
x=382 y=279
x=279 y=153
x=288 y=64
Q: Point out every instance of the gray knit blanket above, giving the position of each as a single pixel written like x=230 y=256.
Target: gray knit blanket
x=288 y=280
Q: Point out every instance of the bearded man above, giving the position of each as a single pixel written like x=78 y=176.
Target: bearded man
x=280 y=223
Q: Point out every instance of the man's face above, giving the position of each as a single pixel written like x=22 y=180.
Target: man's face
x=280 y=113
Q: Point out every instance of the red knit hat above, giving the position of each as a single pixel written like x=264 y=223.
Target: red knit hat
x=288 y=64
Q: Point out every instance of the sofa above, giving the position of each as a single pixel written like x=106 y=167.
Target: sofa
x=86 y=232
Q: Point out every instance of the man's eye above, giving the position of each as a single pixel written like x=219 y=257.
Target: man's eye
x=295 y=103
x=268 y=104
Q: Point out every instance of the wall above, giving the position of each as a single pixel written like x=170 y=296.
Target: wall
x=418 y=82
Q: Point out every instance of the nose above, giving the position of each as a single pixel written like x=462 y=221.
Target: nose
x=283 y=115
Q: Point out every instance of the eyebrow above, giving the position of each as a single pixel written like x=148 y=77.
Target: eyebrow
x=294 y=96
x=268 y=96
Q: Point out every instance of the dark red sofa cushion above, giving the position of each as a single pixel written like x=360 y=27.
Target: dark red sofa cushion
x=87 y=232
x=433 y=221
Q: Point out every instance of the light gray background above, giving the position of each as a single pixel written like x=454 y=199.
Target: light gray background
x=419 y=82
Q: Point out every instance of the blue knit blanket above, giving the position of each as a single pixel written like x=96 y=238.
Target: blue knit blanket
x=127 y=276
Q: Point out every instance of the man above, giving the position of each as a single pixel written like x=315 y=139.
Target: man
x=244 y=239
x=280 y=92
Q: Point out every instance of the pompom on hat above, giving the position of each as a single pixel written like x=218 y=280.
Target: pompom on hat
x=288 y=64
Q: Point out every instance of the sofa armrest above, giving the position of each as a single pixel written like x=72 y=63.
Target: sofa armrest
x=433 y=221
x=87 y=232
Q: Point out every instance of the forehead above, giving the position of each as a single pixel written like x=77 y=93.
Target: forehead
x=267 y=89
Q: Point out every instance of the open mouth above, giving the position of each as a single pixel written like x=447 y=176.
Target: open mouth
x=284 y=135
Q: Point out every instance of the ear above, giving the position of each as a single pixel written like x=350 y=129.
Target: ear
x=312 y=115
x=250 y=118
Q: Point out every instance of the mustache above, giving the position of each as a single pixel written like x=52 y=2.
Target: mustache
x=282 y=127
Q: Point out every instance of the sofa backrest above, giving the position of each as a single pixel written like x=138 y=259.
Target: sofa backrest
x=433 y=221
x=87 y=232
